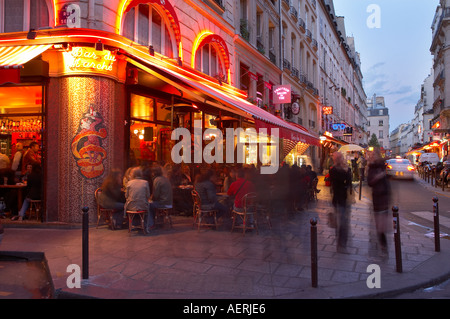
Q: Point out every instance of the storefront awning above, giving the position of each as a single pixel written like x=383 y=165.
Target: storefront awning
x=262 y=118
x=13 y=58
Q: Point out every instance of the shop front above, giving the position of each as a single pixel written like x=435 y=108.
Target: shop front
x=94 y=103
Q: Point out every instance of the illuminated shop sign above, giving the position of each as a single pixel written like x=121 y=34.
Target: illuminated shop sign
x=282 y=94
x=327 y=110
x=88 y=60
x=338 y=126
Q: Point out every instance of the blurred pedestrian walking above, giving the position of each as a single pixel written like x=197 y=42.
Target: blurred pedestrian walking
x=341 y=183
x=381 y=196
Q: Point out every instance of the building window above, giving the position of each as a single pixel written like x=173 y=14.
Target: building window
x=245 y=77
x=147 y=25
x=380 y=134
x=23 y=15
x=380 y=123
x=209 y=61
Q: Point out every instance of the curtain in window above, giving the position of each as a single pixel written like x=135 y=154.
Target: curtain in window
x=13 y=15
x=143 y=21
x=156 y=31
x=38 y=14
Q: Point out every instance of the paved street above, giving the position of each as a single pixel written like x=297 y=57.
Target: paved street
x=184 y=263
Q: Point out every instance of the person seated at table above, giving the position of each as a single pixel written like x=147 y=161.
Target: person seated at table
x=162 y=192
x=137 y=194
x=229 y=178
x=206 y=189
x=186 y=170
x=27 y=173
x=112 y=196
x=182 y=199
x=10 y=195
x=241 y=187
x=177 y=176
x=33 y=190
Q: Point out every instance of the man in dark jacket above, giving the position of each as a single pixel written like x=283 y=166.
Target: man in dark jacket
x=381 y=196
x=34 y=189
x=341 y=183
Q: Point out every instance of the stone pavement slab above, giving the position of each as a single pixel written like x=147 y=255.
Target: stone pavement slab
x=276 y=263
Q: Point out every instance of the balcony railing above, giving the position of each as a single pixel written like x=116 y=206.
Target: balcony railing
x=245 y=32
x=308 y=35
x=272 y=57
x=301 y=24
x=293 y=12
x=295 y=73
x=314 y=43
x=286 y=64
x=260 y=45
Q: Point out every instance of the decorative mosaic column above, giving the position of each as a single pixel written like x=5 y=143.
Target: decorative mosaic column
x=86 y=142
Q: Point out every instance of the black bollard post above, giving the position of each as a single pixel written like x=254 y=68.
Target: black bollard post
x=398 y=250
x=437 y=233
x=314 y=277
x=360 y=188
x=85 y=242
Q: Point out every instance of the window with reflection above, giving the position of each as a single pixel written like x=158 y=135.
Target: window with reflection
x=147 y=25
x=149 y=130
x=209 y=61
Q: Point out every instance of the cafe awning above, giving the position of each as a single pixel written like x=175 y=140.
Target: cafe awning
x=12 y=59
x=239 y=106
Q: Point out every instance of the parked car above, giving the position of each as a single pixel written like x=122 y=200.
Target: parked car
x=400 y=168
x=431 y=158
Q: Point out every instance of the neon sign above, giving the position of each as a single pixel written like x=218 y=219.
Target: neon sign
x=90 y=60
x=327 y=110
x=282 y=94
x=338 y=126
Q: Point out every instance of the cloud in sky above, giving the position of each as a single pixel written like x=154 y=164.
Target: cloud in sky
x=396 y=57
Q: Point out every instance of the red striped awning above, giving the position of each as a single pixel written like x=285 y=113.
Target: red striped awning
x=263 y=119
x=13 y=58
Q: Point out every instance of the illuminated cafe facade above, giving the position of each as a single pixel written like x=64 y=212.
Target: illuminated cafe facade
x=103 y=100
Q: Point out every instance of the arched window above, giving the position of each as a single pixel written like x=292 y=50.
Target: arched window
x=148 y=24
x=211 y=56
x=23 y=15
x=209 y=62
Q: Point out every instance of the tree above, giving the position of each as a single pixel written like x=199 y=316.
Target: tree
x=374 y=141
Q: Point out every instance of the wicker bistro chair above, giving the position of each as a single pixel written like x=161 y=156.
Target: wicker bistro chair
x=141 y=215
x=201 y=215
x=163 y=215
x=35 y=208
x=103 y=212
x=247 y=218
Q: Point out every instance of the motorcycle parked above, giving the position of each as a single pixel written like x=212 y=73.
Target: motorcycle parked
x=444 y=174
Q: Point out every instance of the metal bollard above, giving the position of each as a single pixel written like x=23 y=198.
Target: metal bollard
x=85 y=242
x=314 y=277
x=360 y=188
x=398 y=250
x=437 y=234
